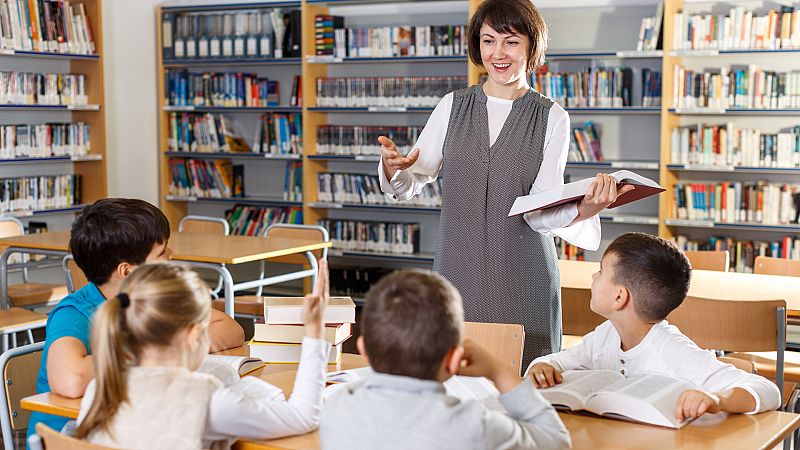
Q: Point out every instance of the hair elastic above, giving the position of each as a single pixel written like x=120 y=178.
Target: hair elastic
x=124 y=300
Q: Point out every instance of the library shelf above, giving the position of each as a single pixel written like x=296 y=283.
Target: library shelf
x=389 y=59
x=371 y=109
x=413 y=257
x=652 y=110
x=42 y=212
x=752 y=51
x=49 y=55
x=736 y=111
x=740 y=169
x=589 y=54
x=360 y=158
x=398 y=207
x=233 y=155
x=20 y=107
x=230 y=6
x=628 y=219
x=745 y=226
x=201 y=62
x=192 y=108
x=365 y=2
x=640 y=165
x=256 y=201
x=50 y=159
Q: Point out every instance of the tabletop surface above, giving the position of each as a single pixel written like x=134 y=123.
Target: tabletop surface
x=738 y=431
x=211 y=248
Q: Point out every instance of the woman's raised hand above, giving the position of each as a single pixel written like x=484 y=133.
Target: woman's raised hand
x=393 y=160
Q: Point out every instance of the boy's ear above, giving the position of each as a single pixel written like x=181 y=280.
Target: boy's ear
x=453 y=360
x=124 y=269
x=622 y=299
x=361 y=349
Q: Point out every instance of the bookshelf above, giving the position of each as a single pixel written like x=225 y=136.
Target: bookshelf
x=633 y=137
x=91 y=167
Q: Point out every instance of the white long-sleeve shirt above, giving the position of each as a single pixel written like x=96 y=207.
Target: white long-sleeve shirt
x=172 y=407
x=666 y=351
x=550 y=222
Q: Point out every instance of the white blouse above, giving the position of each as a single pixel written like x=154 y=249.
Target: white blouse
x=550 y=222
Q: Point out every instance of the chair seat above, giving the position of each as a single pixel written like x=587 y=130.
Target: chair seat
x=29 y=294
x=570 y=340
x=250 y=305
x=20 y=319
x=764 y=363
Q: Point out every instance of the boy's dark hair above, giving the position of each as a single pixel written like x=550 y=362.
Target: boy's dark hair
x=509 y=16
x=411 y=320
x=115 y=230
x=655 y=271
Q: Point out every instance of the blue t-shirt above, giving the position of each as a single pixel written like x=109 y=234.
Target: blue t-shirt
x=72 y=317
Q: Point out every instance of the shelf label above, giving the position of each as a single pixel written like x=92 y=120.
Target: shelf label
x=709 y=167
x=87 y=158
x=323 y=59
x=179 y=108
x=691 y=223
x=7 y=51
x=387 y=109
x=642 y=54
x=326 y=205
x=367 y=158
x=694 y=52
x=84 y=107
x=700 y=110
x=633 y=165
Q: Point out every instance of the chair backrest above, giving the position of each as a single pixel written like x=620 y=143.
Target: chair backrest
x=20 y=367
x=204 y=225
x=73 y=275
x=53 y=440
x=295 y=231
x=766 y=265
x=10 y=227
x=741 y=364
x=718 y=260
x=503 y=340
x=576 y=316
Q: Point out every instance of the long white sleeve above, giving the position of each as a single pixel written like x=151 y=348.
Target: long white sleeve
x=255 y=409
x=553 y=221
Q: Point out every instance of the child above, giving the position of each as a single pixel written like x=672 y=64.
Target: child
x=108 y=240
x=642 y=278
x=411 y=333
x=148 y=342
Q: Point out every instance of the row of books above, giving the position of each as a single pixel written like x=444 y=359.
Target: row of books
x=28 y=88
x=650 y=31
x=605 y=87
x=293 y=182
x=276 y=133
x=279 y=134
x=245 y=220
x=278 y=340
x=370 y=236
x=333 y=39
x=743 y=253
x=727 y=144
x=247 y=34
x=44 y=140
x=568 y=251
x=740 y=29
x=198 y=178
x=584 y=143
x=385 y=91
x=227 y=89
x=735 y=202
x=736 y=87
x=366 y=190
x=354 y=281
x=38 y=193
x=363 y=140
x=46 y=26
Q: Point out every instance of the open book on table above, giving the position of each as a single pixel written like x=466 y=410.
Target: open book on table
x=221 y=365
x=647 y=398
x=570 y=192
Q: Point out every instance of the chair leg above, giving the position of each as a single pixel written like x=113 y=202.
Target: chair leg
x=5 y=342
x=30 y=336
x=13 y=340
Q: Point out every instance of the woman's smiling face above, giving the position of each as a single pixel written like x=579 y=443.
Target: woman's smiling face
x=505 y=56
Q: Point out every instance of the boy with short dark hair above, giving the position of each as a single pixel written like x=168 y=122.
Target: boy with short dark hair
x=642 y=278
x=109 y=239
x=411 y=334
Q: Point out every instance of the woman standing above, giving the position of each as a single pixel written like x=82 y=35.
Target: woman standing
x=495 y=142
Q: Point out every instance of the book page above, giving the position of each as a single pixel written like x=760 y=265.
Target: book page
x=474 y=388
x=583 y=383
x=626 y=176
x=349 y=375
x=225 y=368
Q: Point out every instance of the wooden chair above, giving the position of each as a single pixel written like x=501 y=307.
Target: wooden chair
x=709 y=259
x=27 y=294
x=503 y=340
x=73 y=274
x=203 y=225
x=766 y=265
x=20 y=368
x=737 y=326
x=577 y=317
x=54 y=440
x=253 y=305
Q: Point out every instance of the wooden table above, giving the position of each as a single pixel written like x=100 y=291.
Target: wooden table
x=208 y=251
x=738 y=431
x=705 y=283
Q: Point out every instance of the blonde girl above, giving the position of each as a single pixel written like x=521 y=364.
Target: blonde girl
x=148 y=342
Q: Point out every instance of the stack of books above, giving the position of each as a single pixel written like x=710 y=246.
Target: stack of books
x=278 y=340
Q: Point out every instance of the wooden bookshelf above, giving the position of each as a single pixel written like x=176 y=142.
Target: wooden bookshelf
x=92 y=167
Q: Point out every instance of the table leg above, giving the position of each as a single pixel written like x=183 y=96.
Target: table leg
x=312 y=261
x=4 y=301
x=227 y=280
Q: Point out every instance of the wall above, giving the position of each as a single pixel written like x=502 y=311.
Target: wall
x=131 y=108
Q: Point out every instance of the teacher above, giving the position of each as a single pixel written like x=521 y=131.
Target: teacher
x=495 y=142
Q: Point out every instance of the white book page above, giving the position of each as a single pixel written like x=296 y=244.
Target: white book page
x=578 y=386
x=632 y=177
x=349 y=375
x=224 y=368
x=474 y=388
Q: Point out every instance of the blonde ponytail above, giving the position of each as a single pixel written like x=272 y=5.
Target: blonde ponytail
x=155 y=303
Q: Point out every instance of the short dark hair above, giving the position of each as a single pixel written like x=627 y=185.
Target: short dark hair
x=115 y=230
x=509 y=16
x=655 y=270
x=411 y=320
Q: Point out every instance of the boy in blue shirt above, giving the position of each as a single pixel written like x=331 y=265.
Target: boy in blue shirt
x=108 y=240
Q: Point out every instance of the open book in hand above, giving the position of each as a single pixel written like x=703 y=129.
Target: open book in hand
x=647 y=398
x=570 y=192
